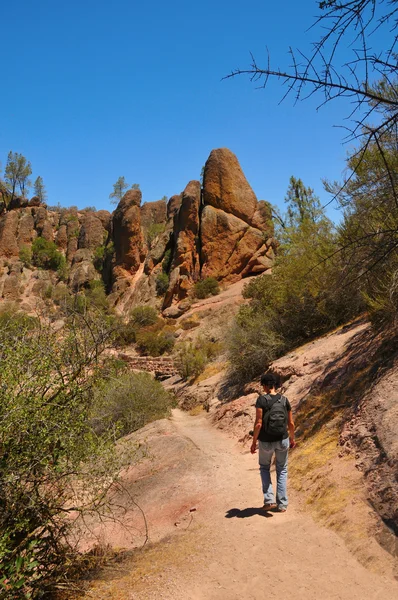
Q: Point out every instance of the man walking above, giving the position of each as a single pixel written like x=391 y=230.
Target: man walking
x=274 y=430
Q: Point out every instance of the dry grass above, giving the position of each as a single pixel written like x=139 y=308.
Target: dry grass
x=211 y=370
x=333 y=489
x=196 y=410
x=157 y=564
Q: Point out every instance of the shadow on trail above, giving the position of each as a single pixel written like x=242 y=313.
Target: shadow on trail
x=247 y=512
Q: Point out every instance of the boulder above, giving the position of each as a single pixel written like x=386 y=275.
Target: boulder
x=82 y=271
x=92 y=233
x=105 y=217
x=26 y=230
x=173 y=206
x=8 y=234
x=61 y=239
x=185 y=267
x=262 y=218
x=34 y=201
x=226 y=188
x=153 y=212
x=18 y=202
x=227 y=244
x=127 y=233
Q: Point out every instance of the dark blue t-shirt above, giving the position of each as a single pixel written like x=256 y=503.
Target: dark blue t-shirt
x=265 y=404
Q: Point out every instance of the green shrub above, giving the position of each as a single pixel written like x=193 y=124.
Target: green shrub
x=46 y=255
x=96 y=296
x=251 y=345
x=192 y=357
x=48 y=450
x=162 y=283
x=143 y=315
x=187 y=324
x=102 y=254
x=190 y=361
x=152 y=342
x=125 y=332
x=63 y=268
x=129 y=401
x=25 y=256
x=166 y=262
x=153 y=231
x=206 y=287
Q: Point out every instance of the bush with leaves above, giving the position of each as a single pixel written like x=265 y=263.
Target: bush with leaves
x=48 y=448
x=304 y=296
x=143 y=315
x=191 y=358
x=162 y=283
x=155 y=340
x=153 y=231
x=25 y=256
x=126 y=401
x=46 y=255
x=206 y=287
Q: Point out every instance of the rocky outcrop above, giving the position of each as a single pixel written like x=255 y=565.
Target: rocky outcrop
x=9 y=234
x=127 y=233
x=153 y=213
x=82 y=272
x=220 y=231
x=92 y=232
x=185 y=266
x=225 y=187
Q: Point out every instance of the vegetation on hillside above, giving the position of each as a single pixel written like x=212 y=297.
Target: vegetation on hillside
x=61 y=409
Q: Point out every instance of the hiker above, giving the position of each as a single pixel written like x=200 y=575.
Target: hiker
x=274 y=430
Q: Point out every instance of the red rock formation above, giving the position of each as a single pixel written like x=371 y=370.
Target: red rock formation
x=225 y=186
x=127 y=234
x=92 y=233
x=185 y=268
x=8 y=234
x=153 y=213
x=234 y=226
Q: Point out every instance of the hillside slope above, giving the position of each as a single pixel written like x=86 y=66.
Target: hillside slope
x=199 y=488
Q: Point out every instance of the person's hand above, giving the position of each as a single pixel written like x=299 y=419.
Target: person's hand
x=253 y=447
x=292 y=443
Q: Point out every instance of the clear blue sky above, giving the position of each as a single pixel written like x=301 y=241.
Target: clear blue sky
x=92 y=90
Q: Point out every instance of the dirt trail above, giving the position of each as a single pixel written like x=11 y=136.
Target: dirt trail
x=231 y=549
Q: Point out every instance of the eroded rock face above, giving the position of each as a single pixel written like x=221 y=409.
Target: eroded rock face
x=9 y=234
x=228 y=244
x=220 y=231
x=127 y=233
x=153 y=213
x=185 y=266
x=225 y=187
x=92 y=233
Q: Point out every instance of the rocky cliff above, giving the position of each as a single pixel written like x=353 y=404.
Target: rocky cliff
x=218 y=230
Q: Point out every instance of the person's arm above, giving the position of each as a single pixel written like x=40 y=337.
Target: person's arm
x=256 y=430
x=290 y=426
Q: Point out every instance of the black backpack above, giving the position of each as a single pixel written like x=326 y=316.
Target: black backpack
x=275 y=417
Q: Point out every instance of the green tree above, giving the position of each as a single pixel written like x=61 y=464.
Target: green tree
x=118 y=190
x=46 y=255
x=39 y=189
x=17 y=173
x=54 y=470
x=135 y=186
x=303 y=297
x=368 y=234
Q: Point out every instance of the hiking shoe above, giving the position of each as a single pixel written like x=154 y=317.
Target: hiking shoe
x=269 y=506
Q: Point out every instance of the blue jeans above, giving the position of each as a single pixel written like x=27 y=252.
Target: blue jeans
x=265 y=453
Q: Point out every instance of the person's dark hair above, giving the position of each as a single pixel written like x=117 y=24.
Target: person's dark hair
x=269 y=379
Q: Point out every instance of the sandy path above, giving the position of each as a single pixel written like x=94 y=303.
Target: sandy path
x=228 y=549
x=244 y=553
